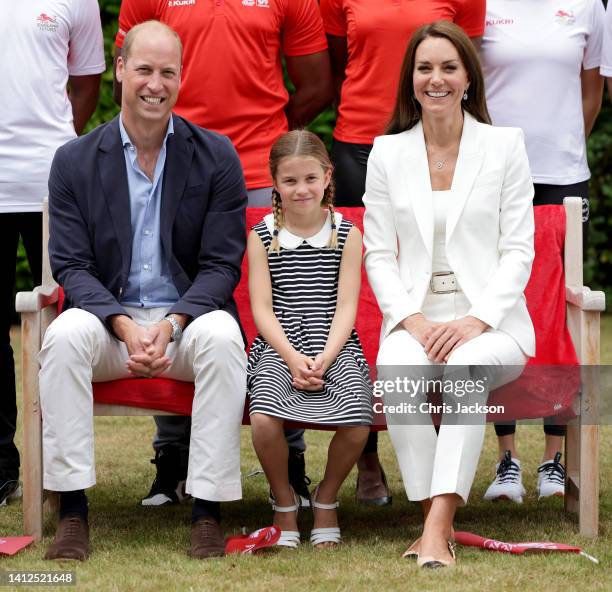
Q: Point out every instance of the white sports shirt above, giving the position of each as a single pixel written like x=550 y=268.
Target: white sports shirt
x=42 y=42
x=532 y=54
x=606 y=55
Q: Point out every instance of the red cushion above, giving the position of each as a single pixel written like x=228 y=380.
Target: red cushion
x=528 y=397
x=550 y=390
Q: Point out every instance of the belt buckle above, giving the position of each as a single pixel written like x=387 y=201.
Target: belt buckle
x=453 y=282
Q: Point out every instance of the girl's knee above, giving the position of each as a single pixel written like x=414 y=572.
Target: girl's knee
x=262 y=424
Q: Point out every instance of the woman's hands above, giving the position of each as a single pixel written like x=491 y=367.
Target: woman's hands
x=443 y=340
x=439 y=340
x=420 y=327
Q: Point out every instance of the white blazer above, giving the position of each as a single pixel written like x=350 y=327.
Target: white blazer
x=489 y=226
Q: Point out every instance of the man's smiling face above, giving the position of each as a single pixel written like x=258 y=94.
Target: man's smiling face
x=150 y=76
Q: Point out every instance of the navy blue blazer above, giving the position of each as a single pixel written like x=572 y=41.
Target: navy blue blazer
x=203 y=220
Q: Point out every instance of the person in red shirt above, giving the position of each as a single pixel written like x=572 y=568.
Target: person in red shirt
x=232 y=83
x=367 y=42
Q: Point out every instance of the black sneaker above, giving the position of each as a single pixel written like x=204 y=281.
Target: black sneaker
x=169 y=485
x=10 y=489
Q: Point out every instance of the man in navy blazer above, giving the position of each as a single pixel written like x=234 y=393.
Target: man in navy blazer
x=147 y=234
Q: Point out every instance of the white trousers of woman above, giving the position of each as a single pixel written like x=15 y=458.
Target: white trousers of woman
x=433 y=463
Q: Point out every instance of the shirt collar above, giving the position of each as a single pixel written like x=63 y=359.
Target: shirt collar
x=287 y=240
x=125 y=138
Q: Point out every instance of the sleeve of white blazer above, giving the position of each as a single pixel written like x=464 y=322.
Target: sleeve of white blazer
x=516 y=227
x=380 y=241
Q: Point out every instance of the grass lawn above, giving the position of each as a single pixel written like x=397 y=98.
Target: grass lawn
x=146 y=549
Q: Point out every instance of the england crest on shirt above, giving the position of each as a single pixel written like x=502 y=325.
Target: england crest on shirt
x=46 y=22
x=565 y=17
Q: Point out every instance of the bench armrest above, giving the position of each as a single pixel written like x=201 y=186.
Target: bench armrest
x=39 y=298
x=585 y=298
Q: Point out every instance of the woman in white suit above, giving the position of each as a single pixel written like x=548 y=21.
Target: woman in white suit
x=448 y=231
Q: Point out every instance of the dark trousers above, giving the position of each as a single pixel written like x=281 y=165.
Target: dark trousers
x=29 y=227
x=350 y=165
x=176 y=430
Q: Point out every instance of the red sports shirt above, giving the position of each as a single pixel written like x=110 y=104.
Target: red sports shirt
x=378 y=32
x=232 y=80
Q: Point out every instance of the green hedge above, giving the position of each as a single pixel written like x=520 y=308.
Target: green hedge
x=599 y=257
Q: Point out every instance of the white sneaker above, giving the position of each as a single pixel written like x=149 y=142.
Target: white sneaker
x=551 y=478
x=10 y=490
x=508 y=482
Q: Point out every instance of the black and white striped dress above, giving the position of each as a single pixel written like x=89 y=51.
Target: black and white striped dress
x=304 y=275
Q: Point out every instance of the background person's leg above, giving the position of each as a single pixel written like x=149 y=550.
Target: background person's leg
x=29 y=225
x=9 y=456
x=508 y=481
x=350 y=164
x=171 y=445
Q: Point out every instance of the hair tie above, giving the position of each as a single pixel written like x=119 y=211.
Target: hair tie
x=275 y=232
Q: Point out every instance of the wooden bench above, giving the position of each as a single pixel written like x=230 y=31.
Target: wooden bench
x=162 y=396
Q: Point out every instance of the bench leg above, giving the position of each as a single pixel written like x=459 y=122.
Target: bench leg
x=32 y=427
x=588 y=509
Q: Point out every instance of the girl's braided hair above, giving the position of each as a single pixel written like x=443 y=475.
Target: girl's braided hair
x=306 y=144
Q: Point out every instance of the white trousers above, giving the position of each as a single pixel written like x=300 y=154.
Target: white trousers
x=445 y=462
x=78 y=350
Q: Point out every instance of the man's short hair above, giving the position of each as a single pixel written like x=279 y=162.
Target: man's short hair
x=133 y=33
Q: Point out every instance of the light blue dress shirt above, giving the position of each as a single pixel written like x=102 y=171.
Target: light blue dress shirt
x=149 y=282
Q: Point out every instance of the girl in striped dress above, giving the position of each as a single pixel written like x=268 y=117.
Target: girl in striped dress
x=306 y=364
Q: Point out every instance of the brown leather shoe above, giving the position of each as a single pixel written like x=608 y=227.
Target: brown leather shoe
x=71 y=539
x=372 y=488
x=206 y=539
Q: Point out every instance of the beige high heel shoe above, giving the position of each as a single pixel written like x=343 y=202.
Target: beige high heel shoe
x=433 y=563
x=412 y=552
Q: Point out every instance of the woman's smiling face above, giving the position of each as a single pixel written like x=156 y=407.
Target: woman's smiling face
x=439 y=78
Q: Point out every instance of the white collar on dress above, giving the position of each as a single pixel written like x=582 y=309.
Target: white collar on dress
x=287 y=240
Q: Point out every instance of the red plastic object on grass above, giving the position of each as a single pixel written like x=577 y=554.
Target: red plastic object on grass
x=249 y=543
x=468 y=539
x=12 y=545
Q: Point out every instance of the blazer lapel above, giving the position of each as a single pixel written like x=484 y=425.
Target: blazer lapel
x=113 y=177
x=418 y=184
x=469 y=161
x=179 y=154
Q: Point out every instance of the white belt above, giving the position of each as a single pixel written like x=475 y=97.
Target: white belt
x=444 y=282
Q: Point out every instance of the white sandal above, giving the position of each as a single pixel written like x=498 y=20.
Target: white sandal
x=289 y=538
x=331 y=534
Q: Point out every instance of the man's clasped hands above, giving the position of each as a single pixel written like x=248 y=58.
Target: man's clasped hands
x=146 y=345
